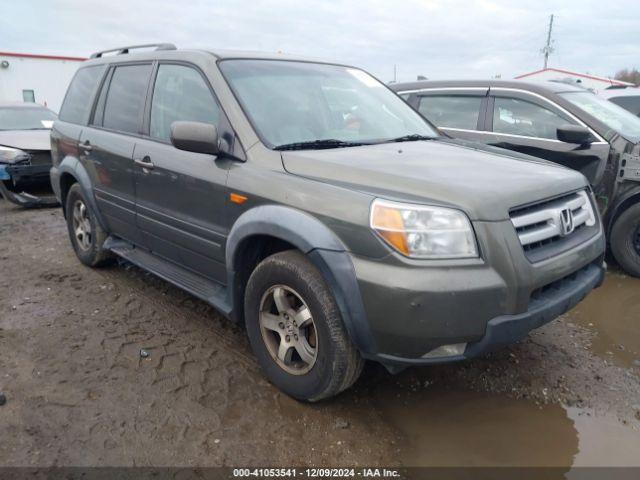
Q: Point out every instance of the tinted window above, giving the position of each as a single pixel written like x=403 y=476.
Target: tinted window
x=99 y=110
x=125 y=99
x=78 y=100
x=180 y=93
x=519 y=117
x=451 y=111
x=631 y=104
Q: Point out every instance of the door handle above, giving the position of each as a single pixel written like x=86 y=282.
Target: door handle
x=86 y=146
x=144 y=162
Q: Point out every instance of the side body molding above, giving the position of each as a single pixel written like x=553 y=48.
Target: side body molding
x=322 y=247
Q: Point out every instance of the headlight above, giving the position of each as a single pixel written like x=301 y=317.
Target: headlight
x=12 y=155
x=421 y=231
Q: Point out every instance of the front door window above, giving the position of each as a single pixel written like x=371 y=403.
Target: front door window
x=513 y=116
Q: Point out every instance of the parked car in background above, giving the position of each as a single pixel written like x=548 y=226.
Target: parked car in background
x=308 y=201
x=25 y=154
x=626 y=97
x=554 y=121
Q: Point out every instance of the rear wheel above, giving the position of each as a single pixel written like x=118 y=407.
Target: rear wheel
x=296 y=330
x=85 y=233
x=625 y=240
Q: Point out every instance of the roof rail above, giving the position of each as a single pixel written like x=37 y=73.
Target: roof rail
x=123 y=50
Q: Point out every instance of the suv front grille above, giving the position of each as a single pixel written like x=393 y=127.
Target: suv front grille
x=553 y=226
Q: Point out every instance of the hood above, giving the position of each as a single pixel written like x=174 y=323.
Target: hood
x=26 y=139
x=485 y=185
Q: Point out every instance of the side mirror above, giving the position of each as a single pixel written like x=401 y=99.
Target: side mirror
x=195 y=137
x=574 y=134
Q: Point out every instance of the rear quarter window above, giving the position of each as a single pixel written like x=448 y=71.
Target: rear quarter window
x=77 y=103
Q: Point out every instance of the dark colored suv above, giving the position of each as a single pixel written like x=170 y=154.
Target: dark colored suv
x=556 y=121
x=309 y=202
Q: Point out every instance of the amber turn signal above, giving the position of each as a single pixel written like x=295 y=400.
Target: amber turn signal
x=387 y=221
x=237 y=198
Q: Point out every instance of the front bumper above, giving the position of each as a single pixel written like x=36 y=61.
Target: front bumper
x=507 y=329
x=14 y=177
x=414 y=307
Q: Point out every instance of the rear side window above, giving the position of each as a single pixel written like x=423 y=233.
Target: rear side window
x=180 y=93
x=79 y=98
x=451 y=111
x=526 y=119
x=124 y=104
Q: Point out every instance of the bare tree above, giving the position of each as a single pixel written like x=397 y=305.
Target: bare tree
x=628 y=75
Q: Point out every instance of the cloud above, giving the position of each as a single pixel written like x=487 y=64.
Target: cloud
x=436 y=38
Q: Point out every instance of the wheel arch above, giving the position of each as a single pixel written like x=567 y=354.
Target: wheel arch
x=626 y=200
x=71 y=171
x=268 y=229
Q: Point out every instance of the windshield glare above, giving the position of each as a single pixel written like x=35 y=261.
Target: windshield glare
x=26 y=118
x=613 y=116
x=290 y=102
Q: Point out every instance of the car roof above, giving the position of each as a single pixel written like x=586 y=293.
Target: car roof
x=186 y=53
x=542 y=87
x=227 y=54
x=620 y=92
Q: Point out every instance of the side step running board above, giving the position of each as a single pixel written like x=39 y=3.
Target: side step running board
x=201 y=287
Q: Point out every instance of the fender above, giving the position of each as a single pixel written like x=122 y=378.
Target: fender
x=321 y=246
x=623 y=200
x=74 y=167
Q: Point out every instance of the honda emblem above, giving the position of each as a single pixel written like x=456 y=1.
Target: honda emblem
x=566 y=222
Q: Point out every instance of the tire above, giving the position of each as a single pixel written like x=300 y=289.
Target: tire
x=276 y=294
x=88 y=240
x=625 y=240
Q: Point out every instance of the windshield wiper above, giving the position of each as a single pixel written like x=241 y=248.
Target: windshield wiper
x=410 y=138
x=317 y=144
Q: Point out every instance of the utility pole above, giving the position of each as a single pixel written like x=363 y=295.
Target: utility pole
x=548 y=49
x=395 y=73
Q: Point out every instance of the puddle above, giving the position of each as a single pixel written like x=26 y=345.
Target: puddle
x=613 y=313
x=451 y=428
x=603 y=441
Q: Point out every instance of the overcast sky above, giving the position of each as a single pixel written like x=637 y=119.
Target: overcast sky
x=435 y=38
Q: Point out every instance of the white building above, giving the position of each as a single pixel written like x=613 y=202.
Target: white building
x=591 y=82
x=36 y=78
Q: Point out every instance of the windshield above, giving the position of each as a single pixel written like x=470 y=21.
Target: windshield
x=297 y=102
x=613 y=116
x=26 y=118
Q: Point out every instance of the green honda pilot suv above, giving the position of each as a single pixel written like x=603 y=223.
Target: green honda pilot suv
x=307 y=201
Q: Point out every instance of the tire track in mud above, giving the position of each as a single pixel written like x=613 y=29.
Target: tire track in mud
x=228 y=339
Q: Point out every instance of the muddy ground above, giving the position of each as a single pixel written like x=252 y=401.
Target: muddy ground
x=79 y=393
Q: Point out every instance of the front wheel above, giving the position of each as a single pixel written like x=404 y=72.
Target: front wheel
x=296 y=330
x=625 y=240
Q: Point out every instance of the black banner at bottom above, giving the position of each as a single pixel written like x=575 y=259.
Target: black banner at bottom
x=285 y=473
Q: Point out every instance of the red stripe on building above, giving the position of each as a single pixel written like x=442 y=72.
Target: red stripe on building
x=43 y=57
x=583 y=75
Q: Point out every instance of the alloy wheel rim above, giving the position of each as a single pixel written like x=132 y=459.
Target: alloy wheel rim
x=81 y=225
x=288 y=330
